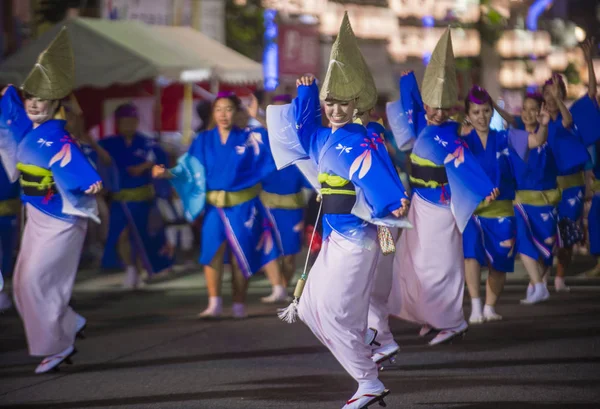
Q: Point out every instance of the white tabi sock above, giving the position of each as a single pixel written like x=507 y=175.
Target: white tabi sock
x=476 y=311
x=490 y=314
x=215 y=304
x=541 y=290
x=279 y=291
x=238 y=310
x=476 y=306
x=371 y=386
x=559 y=284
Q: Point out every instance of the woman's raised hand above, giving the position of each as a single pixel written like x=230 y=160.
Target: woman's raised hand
x=495 y=193
x=543 y=117
x=305 y=80
x=4 y=90
x=93 y=189
x=402 y=210
x=159 y=172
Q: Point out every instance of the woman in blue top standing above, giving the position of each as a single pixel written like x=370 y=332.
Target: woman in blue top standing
x=233 y=162
x=489 y=237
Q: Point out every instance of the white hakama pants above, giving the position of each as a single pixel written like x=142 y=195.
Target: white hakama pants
x=43 y=280
x=382 y=285
x=429 y=269
x=335 y=303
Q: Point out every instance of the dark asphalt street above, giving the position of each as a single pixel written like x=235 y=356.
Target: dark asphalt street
x=147 y=350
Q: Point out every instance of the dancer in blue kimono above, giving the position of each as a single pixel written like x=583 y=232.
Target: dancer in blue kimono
x=284 y=199
x=537 y=197
x=362 y=195
x=406 y=115
x=594 y=215
x=58 y=184
x=489 y=238
x=586 y=118
x=448 y=184
x=571 y=156
x=360 y=190
x=131 y=156
x=225 y=166
x=536 y=200
x=10 y=207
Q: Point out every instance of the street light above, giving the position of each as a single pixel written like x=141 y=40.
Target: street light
x=580 y=34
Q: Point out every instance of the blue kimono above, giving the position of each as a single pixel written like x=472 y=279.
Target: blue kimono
x=445 y=173
x=406 y=116
x=586 y=117
x=353 y=165
x=54 y=172
x=594 y=215
x=399 y=157
x=133 y=202
x=228 y=176
x=9 y=208
x=283 y=197
x=537 y=197
x=490 y=234
x=571 y=157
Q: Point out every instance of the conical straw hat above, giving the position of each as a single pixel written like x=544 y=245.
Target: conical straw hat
x=348 y=77
x=53 y=75
x=440 y=89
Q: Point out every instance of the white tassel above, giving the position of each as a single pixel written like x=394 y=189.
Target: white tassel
x=290 y=313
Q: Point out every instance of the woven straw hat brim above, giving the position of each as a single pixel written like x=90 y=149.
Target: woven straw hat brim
x=440 y=87
x=53 y=76
x=348 y=77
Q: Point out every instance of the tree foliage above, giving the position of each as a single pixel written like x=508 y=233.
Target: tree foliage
x=244 y=28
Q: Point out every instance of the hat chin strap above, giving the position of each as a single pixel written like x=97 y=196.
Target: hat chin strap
x=40 y=118
x=339 y=124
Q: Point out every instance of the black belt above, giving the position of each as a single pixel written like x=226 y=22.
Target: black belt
x=338 y=203
x=33 y=190
x=427 y=174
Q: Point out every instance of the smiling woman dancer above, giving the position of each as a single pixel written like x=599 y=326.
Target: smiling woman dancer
x=235 y=220
x=357 y=178
x=448 y=184
x=489 y=238
x=58 y=183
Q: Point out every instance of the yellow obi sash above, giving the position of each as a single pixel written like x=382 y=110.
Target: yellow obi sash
x=497 y=208
x=137 y=194
x=425 y=173
x=289 y=202
x=35 y=177
x=223 y=198
x=333 y=185
x=9 y=207
x=339 y=194
x=565 y=182
x=596 y=186
x=549 y=197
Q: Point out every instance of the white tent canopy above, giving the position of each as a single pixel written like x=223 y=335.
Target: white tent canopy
x=111 y=52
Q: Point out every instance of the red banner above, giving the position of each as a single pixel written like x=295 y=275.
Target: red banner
x=298 y=50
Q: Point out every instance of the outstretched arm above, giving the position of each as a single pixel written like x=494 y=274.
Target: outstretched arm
x=567 y=118
x=541 y=135
x=307 y=111
x=510 y=119
x=587 y=48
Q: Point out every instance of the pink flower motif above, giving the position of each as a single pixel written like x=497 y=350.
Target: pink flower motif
x=458 y=156
x=363 y=162
x=64 y=156
x=371 y=143
x=461 y=142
